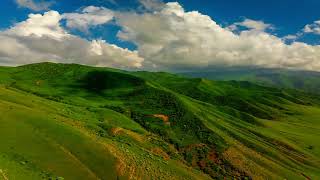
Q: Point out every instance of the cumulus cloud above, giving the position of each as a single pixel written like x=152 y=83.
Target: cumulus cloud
x=36 y=6
x=312 y=28
x=251 y=24
x=38 y=25
x=167 y=38
x=172 y=38
x=41 y=38
x=291 y=37
x=89 y=16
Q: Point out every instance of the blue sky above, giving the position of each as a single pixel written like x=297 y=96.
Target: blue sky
x=288 y=16
x=252 y=21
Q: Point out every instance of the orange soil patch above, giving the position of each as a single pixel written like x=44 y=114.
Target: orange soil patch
x=160 y=152
x=212 y=156
x=120 y=131
x=116 y=131
x=163 y=117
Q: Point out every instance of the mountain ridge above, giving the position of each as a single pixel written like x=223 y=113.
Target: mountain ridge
x=281 y=78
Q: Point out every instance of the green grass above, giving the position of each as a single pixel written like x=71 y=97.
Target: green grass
x=37 y=140
x=78 y=122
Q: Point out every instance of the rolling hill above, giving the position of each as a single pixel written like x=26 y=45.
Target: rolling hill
x=69 y=121
x=290 y=79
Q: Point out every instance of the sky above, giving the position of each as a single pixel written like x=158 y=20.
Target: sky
x=160 y=35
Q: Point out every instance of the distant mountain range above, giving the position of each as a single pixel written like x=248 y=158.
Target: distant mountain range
x=308 y=81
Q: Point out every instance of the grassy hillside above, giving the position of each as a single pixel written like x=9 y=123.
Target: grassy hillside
x=291 y=79
x=68 y=121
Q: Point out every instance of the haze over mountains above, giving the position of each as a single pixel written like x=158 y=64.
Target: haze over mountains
x=308 y=81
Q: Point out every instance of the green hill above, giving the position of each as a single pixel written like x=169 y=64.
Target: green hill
x=68 y=121
x=308 y=81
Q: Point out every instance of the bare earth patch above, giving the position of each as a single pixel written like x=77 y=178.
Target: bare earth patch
x=163 y=117
x=117 y=131
x=160 y=152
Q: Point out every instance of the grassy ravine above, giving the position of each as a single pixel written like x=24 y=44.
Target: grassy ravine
x=68 y=121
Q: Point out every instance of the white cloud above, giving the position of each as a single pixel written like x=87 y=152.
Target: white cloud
x=89 y=16
x=41 y=38
x=174 y=39
x=312 y=28
x=168 y=38
x=40 y=25
x=251 y=24
x=291 y=37
x=36 y=6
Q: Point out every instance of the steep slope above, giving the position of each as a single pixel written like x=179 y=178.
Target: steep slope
x=291 y=79
x=104 y=123
x=75 y=138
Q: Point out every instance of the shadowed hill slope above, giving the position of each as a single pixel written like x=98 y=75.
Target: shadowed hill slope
x=100 y=123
